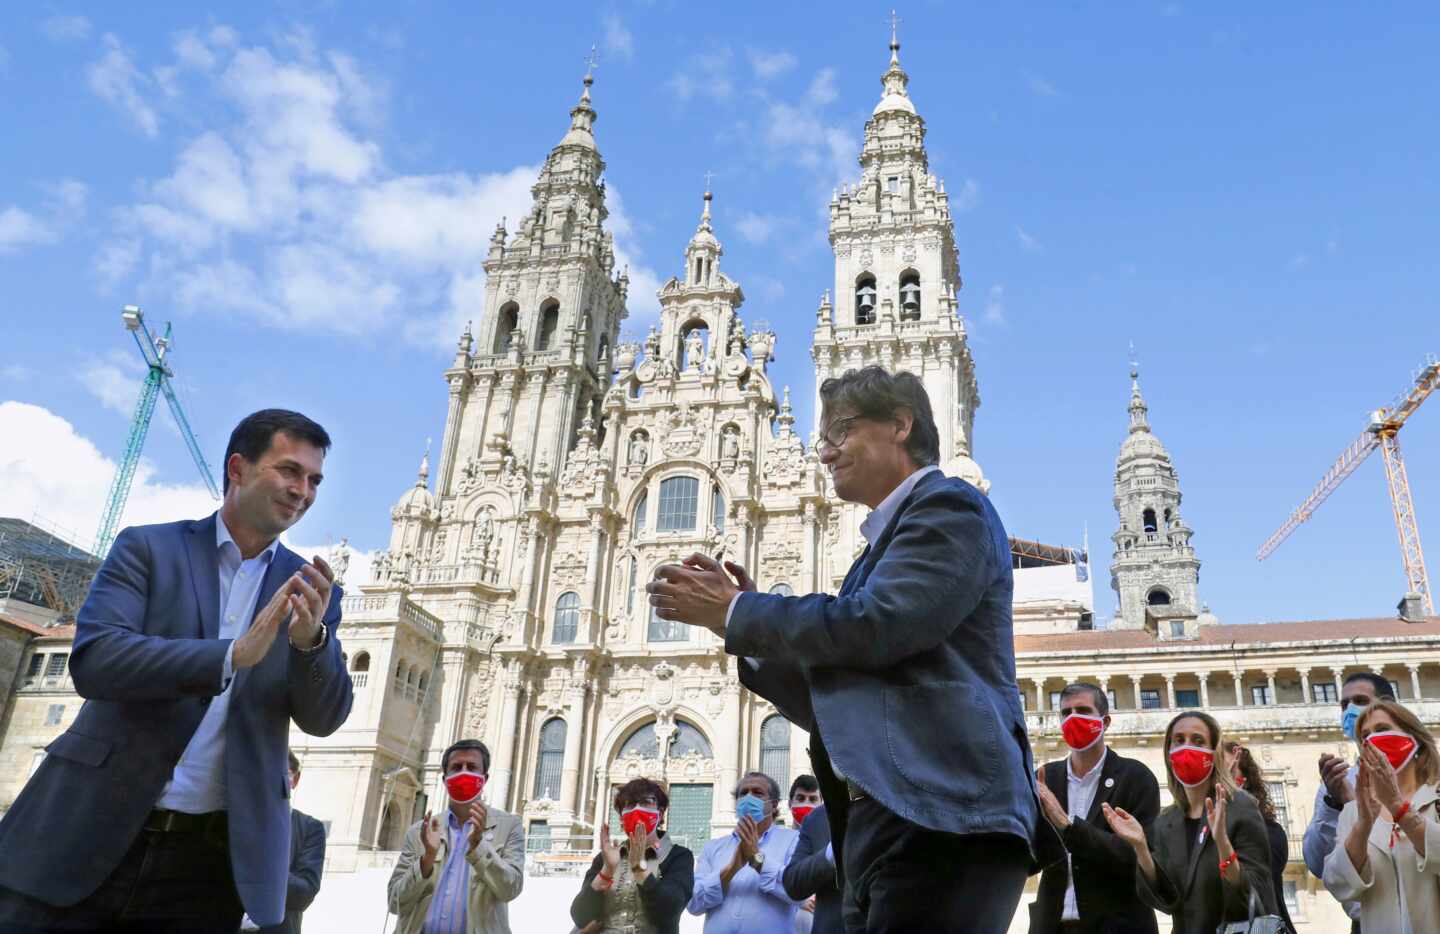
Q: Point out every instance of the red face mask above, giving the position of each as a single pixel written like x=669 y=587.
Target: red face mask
x=800 y=812
x=1192 y=764
x=464 y=787
x=1397 y=746
x=637 y=816
x=1081 y=731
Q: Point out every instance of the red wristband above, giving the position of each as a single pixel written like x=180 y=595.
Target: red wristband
x=602 y=875
x=1228 y=861
x=1400 y=813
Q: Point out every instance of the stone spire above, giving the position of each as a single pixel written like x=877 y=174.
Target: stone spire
x=1155 y=571
x=582 y=117
x=895 y=81
x=423 y=480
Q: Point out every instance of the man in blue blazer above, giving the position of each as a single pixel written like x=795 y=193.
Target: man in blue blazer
x=905 y=679
x=165 y=806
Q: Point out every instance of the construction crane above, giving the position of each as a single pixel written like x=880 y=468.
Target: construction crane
x=157 y=381
x=1382 y=433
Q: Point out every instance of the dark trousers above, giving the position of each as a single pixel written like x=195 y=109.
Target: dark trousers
x=902 y=878
x=167 y=883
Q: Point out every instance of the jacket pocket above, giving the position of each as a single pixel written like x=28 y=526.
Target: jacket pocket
x=942 y=738
x=77 y=747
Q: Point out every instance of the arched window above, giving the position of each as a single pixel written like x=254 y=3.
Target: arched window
x=783 y=590
x=567 y=617
x=549 y=322
x=361 y=662
x=775 y=749
x=666 y=630
x=400 y=677
x=1148 y=520
x=420 y=688
x=1168 y=519
x=603 y=356
x=717 y=508
x=910 y=295
x=637 y=520
x=505 y=327
x=631 y=589
x=551 y=759
x=411 y=677
x=684 y=741
x=865 y=299
x=1158 y=597
x=679 y=500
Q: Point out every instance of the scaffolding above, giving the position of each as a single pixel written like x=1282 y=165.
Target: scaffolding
x=42 y=566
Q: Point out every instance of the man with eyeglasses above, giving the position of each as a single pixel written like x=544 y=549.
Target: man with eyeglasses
x=905 y=680
x=1337 y=777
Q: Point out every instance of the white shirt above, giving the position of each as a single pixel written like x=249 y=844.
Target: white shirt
x=1080 y=793
x=197 y=785
x=881 y=515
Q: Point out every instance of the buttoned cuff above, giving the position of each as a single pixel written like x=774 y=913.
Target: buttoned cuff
x=227 y=671
x=730 y=610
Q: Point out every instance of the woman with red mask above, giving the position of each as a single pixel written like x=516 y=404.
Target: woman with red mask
x=1246 y=772
x=643 y=884
x=1387 y=853
x=1205 y=857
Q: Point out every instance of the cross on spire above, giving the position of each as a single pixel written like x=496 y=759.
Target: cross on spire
x=894 y=27
x=708 y=177
x=592 y=61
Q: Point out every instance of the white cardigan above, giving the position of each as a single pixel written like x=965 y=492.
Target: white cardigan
x=1400 y=890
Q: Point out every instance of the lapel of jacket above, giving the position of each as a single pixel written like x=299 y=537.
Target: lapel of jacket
x=852 y=579
x=1104 y=790
x=204 y=561
x=1057 y=779
x=854 y=571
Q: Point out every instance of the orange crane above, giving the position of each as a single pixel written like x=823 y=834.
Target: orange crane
x=1382 y=433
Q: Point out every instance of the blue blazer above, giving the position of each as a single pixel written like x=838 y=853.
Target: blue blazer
x=810 y=872
x=909 y=673
x=147 y=659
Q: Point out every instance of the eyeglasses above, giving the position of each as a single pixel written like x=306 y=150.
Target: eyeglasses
x=834 y=434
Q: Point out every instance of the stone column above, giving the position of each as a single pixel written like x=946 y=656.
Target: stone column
x=731 y=754
x=1415 y=679
x=592 y=596
x=570 y=766
x=1135 y=685
x=526 y=596
x=1270 y=680
x=458 y=383
x=1339 y=675
x=809 y=579
x=505 y=749
x=1239 y=689
x=1204 y=677
x=1170 y=690
x=1105 y=688
x=1305 y=685
x=1042 y=699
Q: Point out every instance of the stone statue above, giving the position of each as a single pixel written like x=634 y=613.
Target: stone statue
x=639 y=449
x=340 y=560
x=694 y=350
x=730 y=444
x=652 y=343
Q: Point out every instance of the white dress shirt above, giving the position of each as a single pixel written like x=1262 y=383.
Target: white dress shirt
x=197 y=785
x=1080 y=793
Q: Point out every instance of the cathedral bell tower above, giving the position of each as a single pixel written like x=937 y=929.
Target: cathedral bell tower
x=1155 y=572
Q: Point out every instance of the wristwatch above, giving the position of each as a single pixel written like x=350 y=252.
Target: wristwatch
x=758 y=861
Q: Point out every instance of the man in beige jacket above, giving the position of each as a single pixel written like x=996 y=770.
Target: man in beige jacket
x=457 y=872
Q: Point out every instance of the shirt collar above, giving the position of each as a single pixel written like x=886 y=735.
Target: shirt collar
x=222 y=536
x=1090 y=775
x=880 y=516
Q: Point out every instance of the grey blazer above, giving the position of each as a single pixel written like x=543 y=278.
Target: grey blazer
x=1188 y=886
x=908 y=674
x=148 y=659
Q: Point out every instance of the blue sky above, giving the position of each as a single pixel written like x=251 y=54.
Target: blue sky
x=305 y=189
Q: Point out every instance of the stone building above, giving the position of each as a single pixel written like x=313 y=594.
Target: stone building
x=508 y=604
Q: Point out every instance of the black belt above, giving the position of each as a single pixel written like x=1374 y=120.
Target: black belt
x=163 y=821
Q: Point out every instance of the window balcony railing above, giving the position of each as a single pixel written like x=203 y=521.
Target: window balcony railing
x=358 y=678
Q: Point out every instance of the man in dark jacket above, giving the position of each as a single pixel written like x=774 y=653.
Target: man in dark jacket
x=811 y=873
x=1095 y=892
x=307 y=860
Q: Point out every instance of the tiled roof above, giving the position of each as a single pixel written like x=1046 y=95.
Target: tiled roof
x=1318 y=630
x=66 y=631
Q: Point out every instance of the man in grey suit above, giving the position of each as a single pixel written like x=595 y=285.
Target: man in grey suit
x=905 y=679
x=165 y=806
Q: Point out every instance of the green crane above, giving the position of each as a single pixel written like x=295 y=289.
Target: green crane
x=157 y=381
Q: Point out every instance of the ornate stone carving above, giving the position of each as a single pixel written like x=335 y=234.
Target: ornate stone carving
x=680 y=434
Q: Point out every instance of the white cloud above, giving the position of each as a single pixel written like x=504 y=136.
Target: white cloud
x=19 y=228
x=618 y=40
x=768 y=64
x=995 y=305
x=1028 y=243
x=60 y=28
x=1298 y=262
x=1039 y=86
x=822 y=89
x=709 y=74
x=359 y=570
x=756 y=228
x=16 y=372
x=116 y=79
x=61 y=476
x=966 y=198
x=281 y=209
x=113 y=378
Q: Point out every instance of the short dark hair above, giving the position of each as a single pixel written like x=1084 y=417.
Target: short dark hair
x=804 y=783
x=466 y=744
x=251 y=438
x=1102 y=703
x=773 y=794
x=877 y=394
x=636 y=788
x=294 y=763
x=1383 y=690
